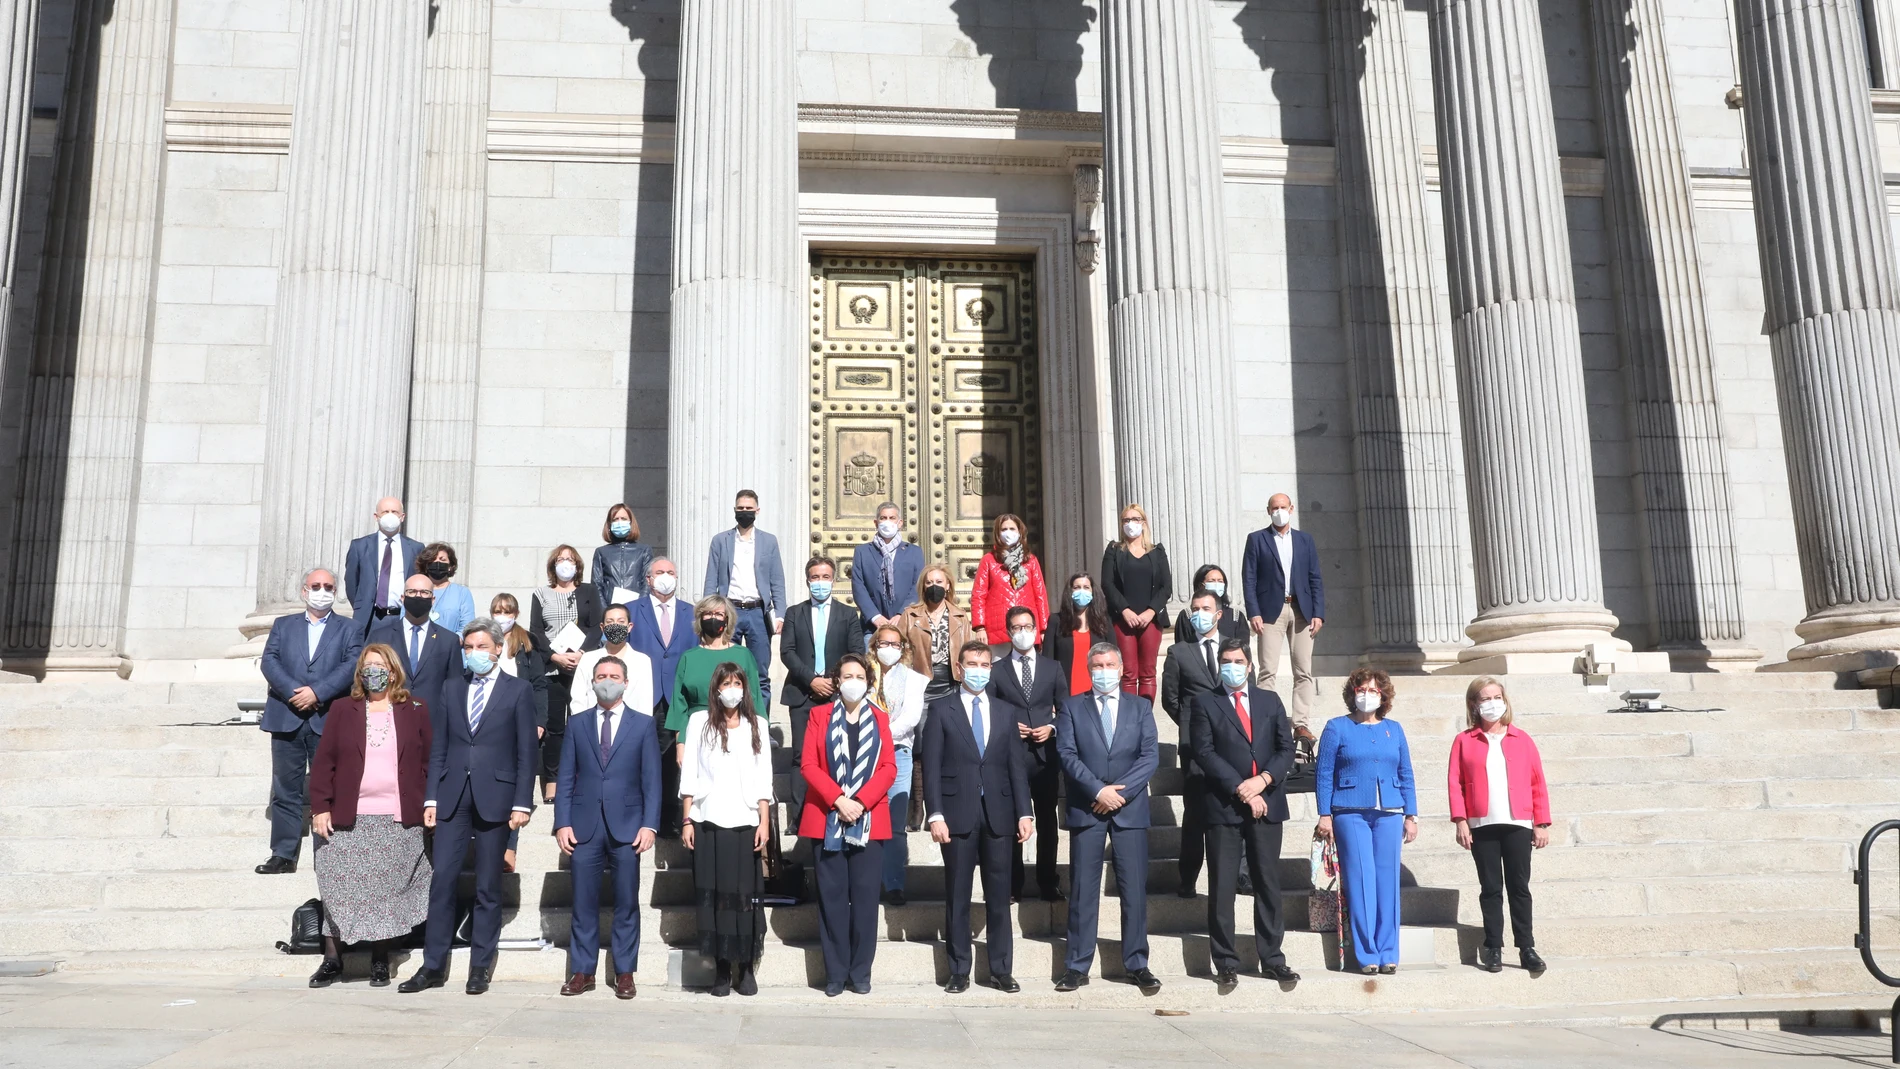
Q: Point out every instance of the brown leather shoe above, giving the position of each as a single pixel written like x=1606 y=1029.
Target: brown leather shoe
x=623 y=985
x=578 y=983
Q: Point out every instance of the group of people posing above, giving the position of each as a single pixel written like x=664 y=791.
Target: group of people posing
x=417 y=731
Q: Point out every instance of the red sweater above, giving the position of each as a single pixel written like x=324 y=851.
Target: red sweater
x=822 y=791
x=1470 y=788
x=992 y=597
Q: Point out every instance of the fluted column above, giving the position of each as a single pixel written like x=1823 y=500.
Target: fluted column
x=1170 y=334
x=86 y=379
x=449 y=274
x=1828 y=276
x=737 y=414
x=19 y=38
x=340 y=374
x=1405 y=443
x=1882 y=21
x=1514 y=329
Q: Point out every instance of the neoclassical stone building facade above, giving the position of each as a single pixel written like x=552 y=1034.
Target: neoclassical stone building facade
x=1560 y=320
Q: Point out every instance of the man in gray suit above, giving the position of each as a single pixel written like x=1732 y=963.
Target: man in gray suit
x=743 y=566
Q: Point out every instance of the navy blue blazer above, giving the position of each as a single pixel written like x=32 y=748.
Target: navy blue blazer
x=768 y=571
x=441 y=656
x=966 y=787
x=1226 y=756
x=645 y=637
x=1090 y=761
x=497 y=763
x=867 y=580
x=622 y=795
x=1264 y=581
x=363 y=565
x=289 y=663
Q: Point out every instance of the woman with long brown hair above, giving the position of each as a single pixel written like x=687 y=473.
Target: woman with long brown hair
x=1008 y=576
x=1082 y=622
x=726 y=794
x=935 y=628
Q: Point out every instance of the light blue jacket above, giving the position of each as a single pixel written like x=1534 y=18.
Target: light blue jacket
x=1365 y=766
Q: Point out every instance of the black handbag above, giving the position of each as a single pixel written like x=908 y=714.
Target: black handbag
x=1304 y=778
x=783 y=879
x=306 y=929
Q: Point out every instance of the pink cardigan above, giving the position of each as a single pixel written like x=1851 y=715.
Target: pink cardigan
x=1471 y=791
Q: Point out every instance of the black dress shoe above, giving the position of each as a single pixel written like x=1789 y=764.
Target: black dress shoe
x=1532 y=961
x=1280 y=973
x=329 y=971
x=894 y=898
x=1227 y=979
x=833 y=989
x=1147 y=981
x=863 y=988
x=957 y=985
x=1491 y=959
x=1005 y=983
x=745 y=980
x=1054 y=894
x=424 y=979
x=1070 y=980
x=478 y=980
x=379 y=972
x=276 y=866
x=1185 y=892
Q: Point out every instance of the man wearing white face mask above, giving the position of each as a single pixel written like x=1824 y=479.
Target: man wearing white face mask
x=377 y=564
x=1286 y=604
x=884 y=570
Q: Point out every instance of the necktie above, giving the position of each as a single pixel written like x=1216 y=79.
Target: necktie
x=666 y=623
x=475 y=703
x=1108 y=722
x=606 y=734
x=1246 y=724
x=1028 y=674
x=1213 y=662
x=382 y=582
x=415 y=649
x=976 y=723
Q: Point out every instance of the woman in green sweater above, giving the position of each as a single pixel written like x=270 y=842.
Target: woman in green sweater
x=692 y=678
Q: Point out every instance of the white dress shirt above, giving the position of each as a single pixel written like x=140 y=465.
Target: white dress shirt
x=639 y=696
x=665 y=617
x=615 y=715
x=1283 y=543
x=743 y=583
x=487 y=683
x=726 y=786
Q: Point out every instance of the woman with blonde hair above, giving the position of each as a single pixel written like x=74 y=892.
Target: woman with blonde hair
x=693 y=676
x=1500 y=808
x=726 y=794
x=1137 y=584
x=898 y=690
x=935 y=627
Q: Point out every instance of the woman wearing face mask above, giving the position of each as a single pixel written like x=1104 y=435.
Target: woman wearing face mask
x=726 y=794
x=1082 y=622
x=524 y=657
x=849 y=766
x=366 y=812
x=935 y=627
x=693 y=676
x=567 y=599
x=1008 y=575
x=1368 y=805
x=1136 y=582
x=898 y=690
x=454 y=605
x=1500 y=807
x=1209 y=578
x=621 y=561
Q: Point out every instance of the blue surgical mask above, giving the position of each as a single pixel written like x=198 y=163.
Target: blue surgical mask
x=976 y=678
x=620 y=528
x=1202 y=620
x=478 y=662
x=1233 y=675
x=1081 y=598
x=820 y=589
x=1217 y=589
x=1106 y=680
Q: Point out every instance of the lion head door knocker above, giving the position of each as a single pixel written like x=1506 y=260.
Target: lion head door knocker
x=979 y=309
x=863 y=308
x=863 y=477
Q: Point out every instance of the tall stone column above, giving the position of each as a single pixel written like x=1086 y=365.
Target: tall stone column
x=442 y=406
x=346 y=295
x=1169 y=320
x=86 y=379
x=19 y=38
x=1406 y=439
x=1514 y=329
x=1694 y=577
x=737 y=415
x=1829 y=277
x=1882 y=21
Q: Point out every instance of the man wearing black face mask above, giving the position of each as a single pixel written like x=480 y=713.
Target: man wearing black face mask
x=428 y=650
x=615 y=628
x=743 y=566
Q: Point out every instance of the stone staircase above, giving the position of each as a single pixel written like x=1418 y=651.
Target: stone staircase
x=1697 y=855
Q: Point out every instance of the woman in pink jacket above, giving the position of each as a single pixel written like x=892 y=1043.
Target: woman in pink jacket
x=1501 y=809
x=1007 y=576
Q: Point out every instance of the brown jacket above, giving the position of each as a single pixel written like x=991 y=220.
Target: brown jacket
x=916 y=627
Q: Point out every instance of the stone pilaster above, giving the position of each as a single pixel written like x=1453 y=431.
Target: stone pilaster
x=1406 y=438
x=1668 y=351
x=1833 y=300
x=19 y=36
x=86 y=378
x=1882 y=21
x=1169 y=319
x=442 y=406
x=1514 y=328
x=346 y=295
x=737 y=418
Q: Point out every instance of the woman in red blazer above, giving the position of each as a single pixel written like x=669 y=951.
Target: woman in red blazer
x=1009 y=575
x=849 y=765
x=366 y=815
x=1501 y=809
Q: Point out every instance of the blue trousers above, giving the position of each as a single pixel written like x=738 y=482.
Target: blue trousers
x=592 y=858
x=897 y=850
x=847 y=909
x=1087 y=849
x=752 y=629
x=290 y=756
x=1369 y=841
x=458 y=826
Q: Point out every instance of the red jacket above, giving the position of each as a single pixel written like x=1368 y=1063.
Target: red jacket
x=992 y=597
x=336 y=773
x=822 y=791
x=1470 y=789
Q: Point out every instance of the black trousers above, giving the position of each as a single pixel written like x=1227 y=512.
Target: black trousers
x=560 y=692
x=1503 y=854
x=670 y=816
x=800 y=715
x=1044 y=788
x=1193 y=829
x=848 y=885
x=456 y=826
x=1259 y=842
x=962 y=856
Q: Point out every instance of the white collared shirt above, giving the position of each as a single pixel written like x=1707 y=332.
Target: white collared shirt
x=613 y=716
x=1283 y=542
x=743 y=583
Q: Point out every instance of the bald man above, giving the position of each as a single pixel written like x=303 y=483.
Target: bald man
x=1286 y=604
x=309 y=661
x=377 y=564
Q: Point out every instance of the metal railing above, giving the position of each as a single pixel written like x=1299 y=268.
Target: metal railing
x=1864 y=939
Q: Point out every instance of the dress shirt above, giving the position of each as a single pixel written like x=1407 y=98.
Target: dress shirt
x=663 y=616
x=1025 y=664
x=414 y=637
x=398 y=571
x=743 y=583
x=612 y=716
x=820 y=621
x=1283 y=543
x=989 y=714
x=726 y=786
x=313 y=625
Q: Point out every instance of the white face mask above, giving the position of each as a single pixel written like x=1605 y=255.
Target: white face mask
x=1368 y=701
x=888 y=655
x=1282 y=517
x=1131 y=530
x=565 y=571
x=505 y=622
x=1023 y=638
x=389 y=522
x=852 y=690
x=1010 y=537
x=320 y=600
x=665 y=583
x=730 y=696
x=887 y=529
x=1491 y=709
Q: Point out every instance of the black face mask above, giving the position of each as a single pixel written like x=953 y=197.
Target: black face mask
x=712 y=626
x=615 y=634
x=934 y=594
x=745 y=517
x=438 y=570
x=418 y=606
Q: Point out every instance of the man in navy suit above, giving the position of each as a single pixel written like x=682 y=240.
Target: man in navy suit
x=884 y=571
x=482 y=758
x=743 y=566
x=604 y=816
x=309 y=661
x=1109 y=750
x=976 y=795
x=1286 y=604
x=1036 y=685
x=663 y=630
x=430 y=653
x=377 y=564
x=817 y=633
x=1244 y=749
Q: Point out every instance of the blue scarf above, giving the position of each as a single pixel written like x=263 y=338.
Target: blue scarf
x=850 y=777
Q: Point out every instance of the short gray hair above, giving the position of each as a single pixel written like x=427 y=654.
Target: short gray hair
x=485 y=625
x=656 y=562
x=305 y=584
x=1105 y=649
x=893 y=506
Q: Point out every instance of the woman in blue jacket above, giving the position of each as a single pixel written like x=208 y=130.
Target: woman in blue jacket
x=1368 y=805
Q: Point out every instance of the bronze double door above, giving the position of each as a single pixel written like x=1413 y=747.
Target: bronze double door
x=924 y=392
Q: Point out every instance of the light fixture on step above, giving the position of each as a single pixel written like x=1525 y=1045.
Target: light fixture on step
x=1642 y=701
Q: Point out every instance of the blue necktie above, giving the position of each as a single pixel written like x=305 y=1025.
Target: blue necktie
x=1108 y=725
x=475 y=703
x=415 y=650
x=976 y=723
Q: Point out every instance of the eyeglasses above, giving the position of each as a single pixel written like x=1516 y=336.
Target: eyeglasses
x=331 y=587
x=890 y=645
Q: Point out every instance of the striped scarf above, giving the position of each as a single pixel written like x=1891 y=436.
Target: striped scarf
x=851 y=777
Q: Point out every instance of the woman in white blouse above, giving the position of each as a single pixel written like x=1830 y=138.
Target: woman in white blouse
x=1500 y=811
x=726 y=794
x=900 y=691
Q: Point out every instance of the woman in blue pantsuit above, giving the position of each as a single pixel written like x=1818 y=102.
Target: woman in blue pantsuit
x=1368 y=806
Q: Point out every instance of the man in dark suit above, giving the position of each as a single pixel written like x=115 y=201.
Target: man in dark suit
x=976 y=795
x=1109 y=750
x=1191 y=669
x=605 y=814
x=377 y=564
x=1286 y=604
x=482 y=759
x=309 y=661
x=884 y=571
x=817 y=633
x=430 y=652
x=743 y=566
x=1035 y=684
x=1244 y=748
x=663 y=630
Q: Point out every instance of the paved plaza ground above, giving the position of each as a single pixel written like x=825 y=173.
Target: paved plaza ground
x=63 y=1023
